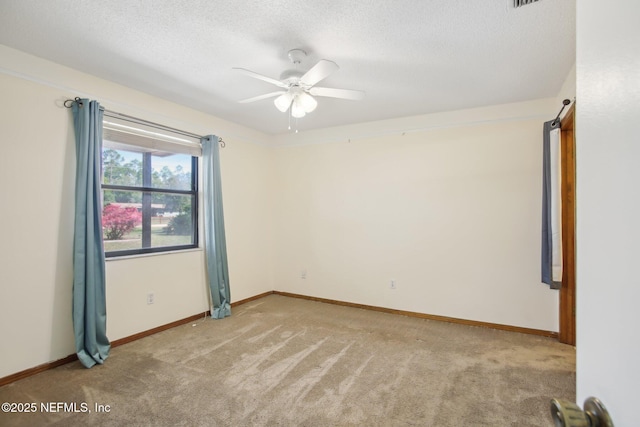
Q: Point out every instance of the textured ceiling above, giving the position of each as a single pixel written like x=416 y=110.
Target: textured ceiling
x=409 y=56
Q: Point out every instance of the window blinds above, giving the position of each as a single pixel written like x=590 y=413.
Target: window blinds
x=125 y=132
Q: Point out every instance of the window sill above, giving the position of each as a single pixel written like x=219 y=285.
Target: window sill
x=151 y=254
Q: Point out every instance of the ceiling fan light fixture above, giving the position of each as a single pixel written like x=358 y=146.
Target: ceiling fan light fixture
x=296 y=109
x=306 y=102
x=283 y=102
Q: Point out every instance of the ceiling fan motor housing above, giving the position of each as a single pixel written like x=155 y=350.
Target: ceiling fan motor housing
x=291 y=77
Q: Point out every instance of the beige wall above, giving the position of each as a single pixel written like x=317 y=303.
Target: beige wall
x=451 y=213
x=37 y=175
x=37 y=172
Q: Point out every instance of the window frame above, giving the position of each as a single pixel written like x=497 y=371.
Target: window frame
x=193 y=193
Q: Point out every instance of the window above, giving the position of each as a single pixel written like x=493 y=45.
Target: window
x=149 y=189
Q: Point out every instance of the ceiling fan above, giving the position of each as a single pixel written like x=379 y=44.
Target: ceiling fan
x=298 y=89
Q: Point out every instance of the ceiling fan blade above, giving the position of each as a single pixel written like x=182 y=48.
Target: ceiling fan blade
x=261 y=77
x=318 y=72
x=354 y=95
x=260 y=97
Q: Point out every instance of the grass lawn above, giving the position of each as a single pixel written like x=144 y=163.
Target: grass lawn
x=133 y=240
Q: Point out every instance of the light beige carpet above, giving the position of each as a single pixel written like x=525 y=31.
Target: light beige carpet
x=281 y=361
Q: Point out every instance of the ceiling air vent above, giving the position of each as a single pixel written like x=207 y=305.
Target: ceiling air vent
x=518 y=3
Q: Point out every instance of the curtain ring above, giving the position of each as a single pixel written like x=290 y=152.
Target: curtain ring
x=71 y=101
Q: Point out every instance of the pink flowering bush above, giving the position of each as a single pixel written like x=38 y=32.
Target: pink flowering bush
x=118 y=221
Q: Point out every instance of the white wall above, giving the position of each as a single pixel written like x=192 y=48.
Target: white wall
x=448 y=205
x=608 y=205
x=37 y=174
x=568 y=89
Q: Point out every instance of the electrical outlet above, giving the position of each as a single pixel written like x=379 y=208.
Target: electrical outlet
x=392 y=284
x=151 y=297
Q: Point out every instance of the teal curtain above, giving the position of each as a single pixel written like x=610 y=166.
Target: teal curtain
x=89 y=303
x=215 y=242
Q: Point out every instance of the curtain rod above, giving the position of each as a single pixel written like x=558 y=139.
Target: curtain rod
x=69 y=102
x=564 y=104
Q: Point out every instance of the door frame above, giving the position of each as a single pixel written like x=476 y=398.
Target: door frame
x=567 y=332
